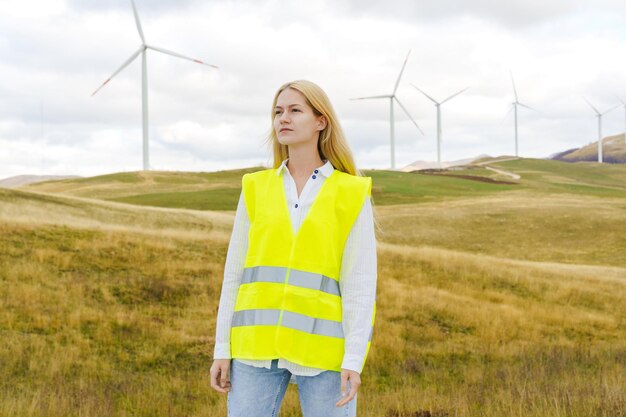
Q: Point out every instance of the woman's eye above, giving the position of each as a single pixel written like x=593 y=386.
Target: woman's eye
x=277 y=112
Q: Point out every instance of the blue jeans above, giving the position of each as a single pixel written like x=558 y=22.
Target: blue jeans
x=259 y=392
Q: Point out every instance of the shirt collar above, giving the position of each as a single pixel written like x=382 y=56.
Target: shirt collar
x=325 y=169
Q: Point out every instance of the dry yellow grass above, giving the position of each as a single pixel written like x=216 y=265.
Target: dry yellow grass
x=518 y=225
x=109 y=309
x=131 y=183
x=36 y=208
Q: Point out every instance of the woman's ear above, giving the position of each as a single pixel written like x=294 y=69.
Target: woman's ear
x=321 y=123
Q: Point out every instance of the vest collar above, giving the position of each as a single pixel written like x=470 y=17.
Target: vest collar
x=325 y=169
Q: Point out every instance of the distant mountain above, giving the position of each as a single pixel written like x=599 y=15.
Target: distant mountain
x=20 y=180
x=417 y=165
x=613 y=151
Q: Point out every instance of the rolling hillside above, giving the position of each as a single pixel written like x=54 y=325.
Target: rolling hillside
x=613 y=151
x=494 y=299
x=220 y=190
x=201 y=191
x=22 y=180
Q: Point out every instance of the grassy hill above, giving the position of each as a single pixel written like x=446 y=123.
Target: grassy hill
x=200 y=191
x=613 y=151
x=552 y=177
x=220 y=191
x=493 y=299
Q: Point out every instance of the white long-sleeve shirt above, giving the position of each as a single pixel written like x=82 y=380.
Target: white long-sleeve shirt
x=357 y=282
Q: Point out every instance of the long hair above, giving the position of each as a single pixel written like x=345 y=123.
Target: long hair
x=331 y=144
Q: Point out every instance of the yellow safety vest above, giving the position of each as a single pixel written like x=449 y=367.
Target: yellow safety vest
x=289 y=303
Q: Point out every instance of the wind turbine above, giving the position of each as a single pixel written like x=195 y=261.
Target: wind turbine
x=144 y=80
x=438 y=106
x=391 y=98
x=599 y=116
x=515 y=104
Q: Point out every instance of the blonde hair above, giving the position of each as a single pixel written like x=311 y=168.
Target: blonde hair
x=332 y=143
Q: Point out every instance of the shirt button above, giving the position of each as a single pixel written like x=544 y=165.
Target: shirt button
x=296 y=205
x=314 y=177
x=316 y=171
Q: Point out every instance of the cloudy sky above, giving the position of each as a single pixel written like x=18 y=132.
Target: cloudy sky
x=55 y=53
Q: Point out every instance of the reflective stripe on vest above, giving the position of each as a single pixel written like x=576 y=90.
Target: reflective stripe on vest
x=264 y=317
x=297 y=278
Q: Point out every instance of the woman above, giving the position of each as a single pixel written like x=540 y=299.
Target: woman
x=299 y=290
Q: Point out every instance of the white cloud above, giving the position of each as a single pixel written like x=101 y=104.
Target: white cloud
x=55 y=54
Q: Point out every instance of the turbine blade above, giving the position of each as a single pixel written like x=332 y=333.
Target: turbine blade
x=514 y=89
x=365 y=98
x=420 y=90
x=395 y=88
x=612 y=108
x=454 y=95
x=124 y=65
x=508 y=112
x=620 y=100
x=528 y=107
x=591 y=105
x=407 y=113
x=165 y=51
x=138 y=22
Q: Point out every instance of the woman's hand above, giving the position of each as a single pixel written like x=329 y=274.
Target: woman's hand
x=220 y=375
x=355 y=383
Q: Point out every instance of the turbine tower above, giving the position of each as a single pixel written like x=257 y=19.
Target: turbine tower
x=599 y=116
x=515 y=104
x=391 y=98
x=438 y=106
x=144 y=80
x=624 y=104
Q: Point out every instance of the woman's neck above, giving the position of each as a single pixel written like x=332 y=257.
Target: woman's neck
x=301 y=164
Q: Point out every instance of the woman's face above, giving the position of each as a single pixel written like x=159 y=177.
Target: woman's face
x=294 y=120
